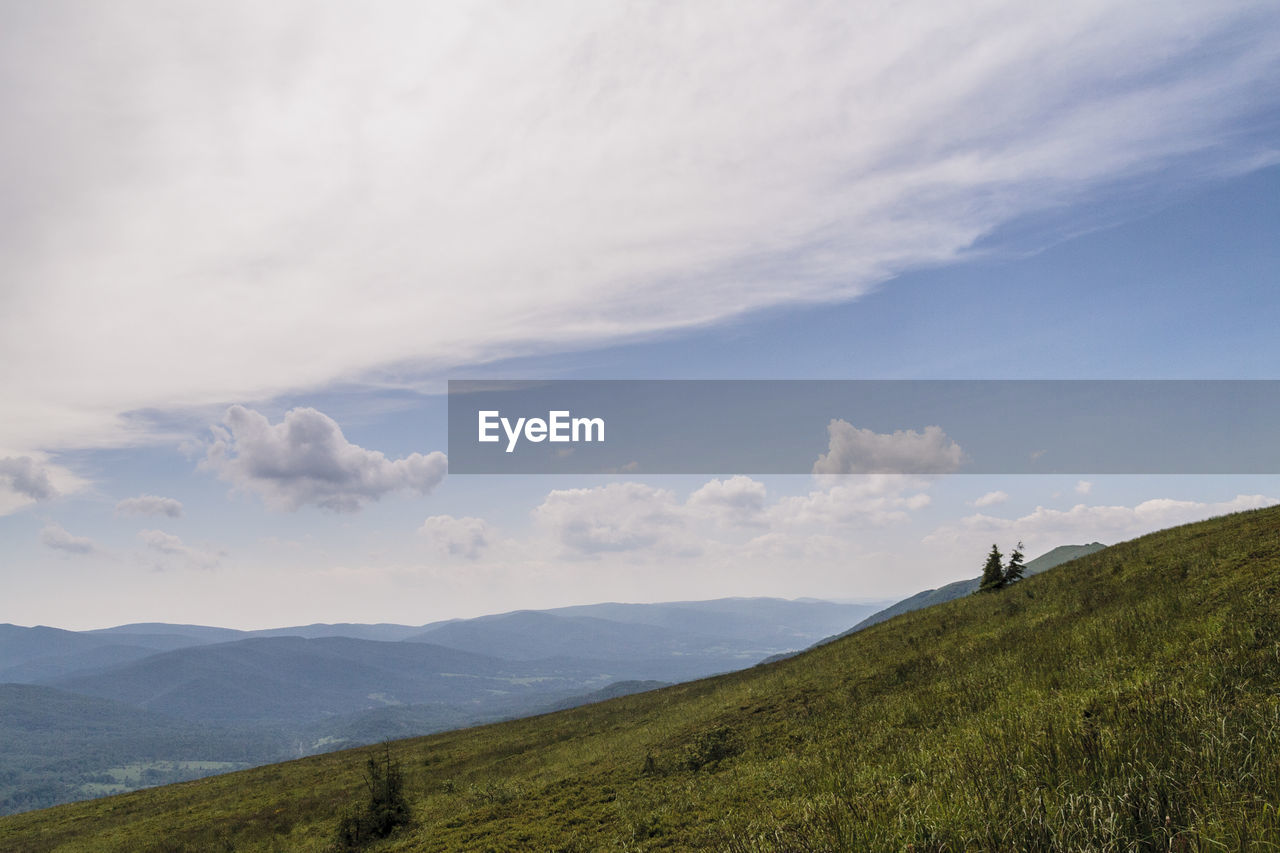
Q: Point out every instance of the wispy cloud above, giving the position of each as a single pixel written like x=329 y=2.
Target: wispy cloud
x=59 y=539
x=465 y=537
x=852 y=502
x=992 y=498
x=150 y=505
x=171 y=547
x=265 y=197
x=1045 y=528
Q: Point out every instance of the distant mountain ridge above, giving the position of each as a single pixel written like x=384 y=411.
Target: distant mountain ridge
x=28 y=655
x=295 y=679
x=532 y=635
x=149 y=702
x=209 y=634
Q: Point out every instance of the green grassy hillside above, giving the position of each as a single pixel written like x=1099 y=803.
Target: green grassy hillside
x=1128 y=700
x=959 y=589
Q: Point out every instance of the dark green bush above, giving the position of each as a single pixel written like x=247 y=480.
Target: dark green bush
x=712 y=746
x=385 y=810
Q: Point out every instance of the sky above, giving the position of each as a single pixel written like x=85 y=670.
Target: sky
x=244 y=247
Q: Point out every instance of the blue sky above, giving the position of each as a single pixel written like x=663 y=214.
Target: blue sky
x=1090 y=196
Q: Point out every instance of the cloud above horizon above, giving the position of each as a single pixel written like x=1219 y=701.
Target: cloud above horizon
x=1045 y=527
x=31 y=478
x=23 y=481
x=450 y=536
x=615 y=518
x=26 y=477
x=851 y=502
x=737 y=501
x=851 y=450
x=58 y=538
x=150 y=505
x=305 y=459
x=230 y=202
x=633 y=517
x=171 y=548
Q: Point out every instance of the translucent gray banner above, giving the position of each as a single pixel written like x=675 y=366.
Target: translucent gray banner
x=864 y=426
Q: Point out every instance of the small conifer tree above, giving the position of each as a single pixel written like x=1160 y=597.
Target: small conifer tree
x=1017 y=569
x=992 y=572
x=385 y=810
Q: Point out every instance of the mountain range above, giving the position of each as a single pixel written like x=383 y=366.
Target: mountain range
x=153 y=702
x=156 y=702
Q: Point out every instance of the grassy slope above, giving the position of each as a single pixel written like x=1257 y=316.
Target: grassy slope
x=1127 y=700
x=959 y=589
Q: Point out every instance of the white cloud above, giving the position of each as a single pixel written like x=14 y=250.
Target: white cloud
x=56 y=537
x=865 y=500
x=456 y=537
x=1083 y=487
x=736 y=501
x=305 y=459
x=778 y=548
x=150 y=505
x=639 y=518
x=992 y=498
x=269 y=197
x=26 y=477
x=168 y=545
x=851 y=450
x=1046 y=528
x=617 y=517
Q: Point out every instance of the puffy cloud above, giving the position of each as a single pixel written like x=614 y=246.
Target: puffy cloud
x=1083 y=487
x=56 y=537
x=150 y=505
x=636 y=517
x=30 y=478
x=456 y=537
x=992 y=498
x=295 y=197
x=1045 y=528
x=26 y=477
x=305 y=459
x=168 y=545
x=851 y=450
x=736 y=501
x=614 y=518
